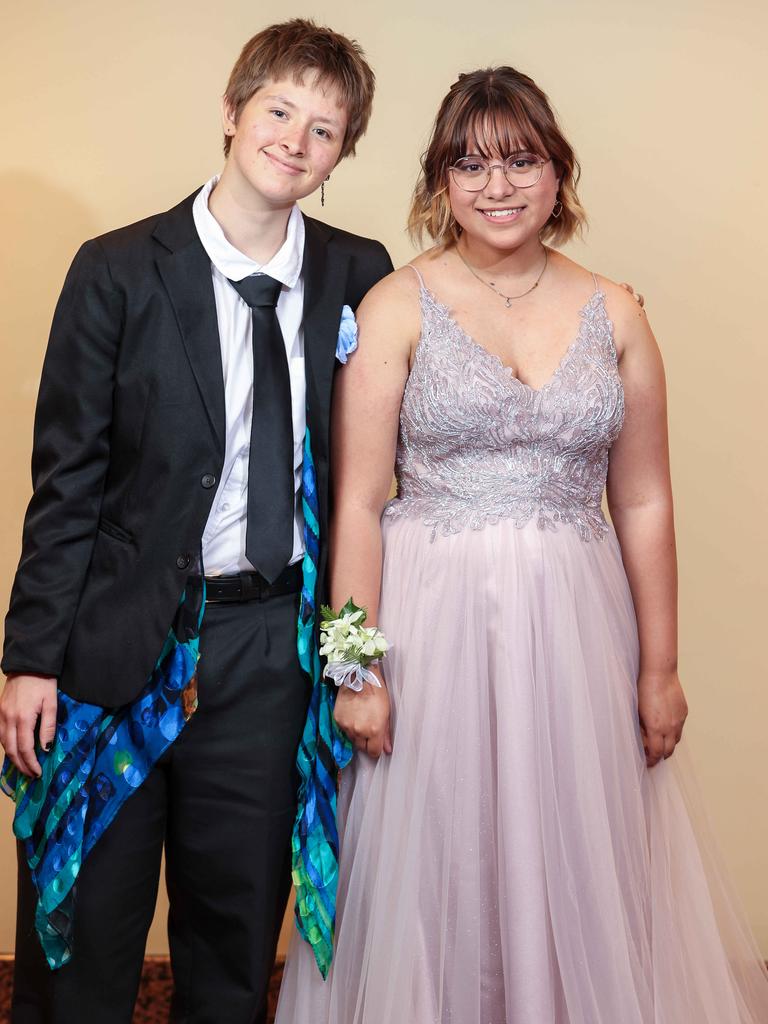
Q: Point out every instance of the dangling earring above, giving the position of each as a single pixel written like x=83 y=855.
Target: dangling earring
x=322 y=191
x=557 y=209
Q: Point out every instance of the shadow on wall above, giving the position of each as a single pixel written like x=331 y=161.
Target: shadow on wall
x=43 y=227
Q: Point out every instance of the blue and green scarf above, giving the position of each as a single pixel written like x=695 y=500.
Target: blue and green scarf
x=99 y=758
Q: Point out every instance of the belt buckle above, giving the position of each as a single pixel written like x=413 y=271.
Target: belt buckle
x=215 y=592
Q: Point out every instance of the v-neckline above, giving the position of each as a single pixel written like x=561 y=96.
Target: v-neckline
x=498 y=361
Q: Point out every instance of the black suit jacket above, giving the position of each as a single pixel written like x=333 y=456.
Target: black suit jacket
x=129 y=444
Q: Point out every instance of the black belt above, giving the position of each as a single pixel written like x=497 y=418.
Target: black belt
x=251 y=586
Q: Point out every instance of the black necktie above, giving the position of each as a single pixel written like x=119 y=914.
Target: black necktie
x=271 y=482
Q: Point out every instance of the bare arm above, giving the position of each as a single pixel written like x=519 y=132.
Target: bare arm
x=366 y=412
x=640 y=503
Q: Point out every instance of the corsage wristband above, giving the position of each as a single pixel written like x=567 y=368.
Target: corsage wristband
x=350 y=647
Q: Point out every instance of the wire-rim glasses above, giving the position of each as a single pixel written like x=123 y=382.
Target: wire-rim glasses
x=522 y=170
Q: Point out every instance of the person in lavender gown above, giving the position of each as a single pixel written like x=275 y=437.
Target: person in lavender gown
x=527 y=850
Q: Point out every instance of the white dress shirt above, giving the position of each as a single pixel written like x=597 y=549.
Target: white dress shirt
x=224 y=534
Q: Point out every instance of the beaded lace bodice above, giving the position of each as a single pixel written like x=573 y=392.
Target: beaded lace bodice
x=477 y=445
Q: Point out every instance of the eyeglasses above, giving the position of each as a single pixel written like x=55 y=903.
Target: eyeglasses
x=522 y=170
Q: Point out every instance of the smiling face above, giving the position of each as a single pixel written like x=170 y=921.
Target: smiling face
x=503 y=215
x=496 y=113
x=286 y=140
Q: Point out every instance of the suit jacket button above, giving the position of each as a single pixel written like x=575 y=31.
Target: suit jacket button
x=208 y=480
x=182 y=562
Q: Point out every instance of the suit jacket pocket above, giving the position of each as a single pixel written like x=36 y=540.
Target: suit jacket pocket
x=115 y=531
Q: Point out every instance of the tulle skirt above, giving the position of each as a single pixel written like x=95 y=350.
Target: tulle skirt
x=514 y=860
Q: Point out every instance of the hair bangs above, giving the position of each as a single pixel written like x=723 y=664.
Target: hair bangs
x=499 y=127
x=494 y=113
x=302 y=51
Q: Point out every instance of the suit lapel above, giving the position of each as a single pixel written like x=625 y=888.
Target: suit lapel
x=186 y=273
x=325 y=270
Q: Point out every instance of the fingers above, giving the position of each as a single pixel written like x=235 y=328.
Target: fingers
x=9 y=743
x=25 y=740
x=377 y=744
x=639 y=299
x=19 y=743
x=670 y=742
x=24 y=699
x=652 y=756
x=653 y=745
x=364 y=718
x=48 y=721
x=373 y=746
x=649 y=759
x=658 y=746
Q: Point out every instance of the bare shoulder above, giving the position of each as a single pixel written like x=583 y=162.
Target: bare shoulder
x=620 y=302
x=392 y=308
x=631 y=330
x=397 y=293
x=630 y=323
x=389 y=317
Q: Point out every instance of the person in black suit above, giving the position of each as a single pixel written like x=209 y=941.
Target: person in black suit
x=191 y=355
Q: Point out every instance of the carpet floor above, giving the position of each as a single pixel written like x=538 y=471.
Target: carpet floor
x=154 y=994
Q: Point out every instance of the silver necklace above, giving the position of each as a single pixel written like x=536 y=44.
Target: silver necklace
x=509 y=299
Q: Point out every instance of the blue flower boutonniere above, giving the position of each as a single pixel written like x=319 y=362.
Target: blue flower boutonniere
x=347 y=340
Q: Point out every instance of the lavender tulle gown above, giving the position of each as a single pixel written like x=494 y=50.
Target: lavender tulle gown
x=514 y=861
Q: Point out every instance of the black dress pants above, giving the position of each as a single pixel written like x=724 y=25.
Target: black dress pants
x=222 y=802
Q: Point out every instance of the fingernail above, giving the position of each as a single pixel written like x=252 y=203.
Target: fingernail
x=47 y=747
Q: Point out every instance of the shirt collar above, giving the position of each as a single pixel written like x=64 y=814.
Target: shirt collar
x=285 y=265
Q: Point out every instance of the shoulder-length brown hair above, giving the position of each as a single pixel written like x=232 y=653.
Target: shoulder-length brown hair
x=499 y=111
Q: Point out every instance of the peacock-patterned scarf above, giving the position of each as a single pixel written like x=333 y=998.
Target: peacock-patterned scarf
x=323 y=751
x=98 y=759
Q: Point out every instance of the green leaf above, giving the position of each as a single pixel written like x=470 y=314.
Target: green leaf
x=350 y=608
x=327 y=613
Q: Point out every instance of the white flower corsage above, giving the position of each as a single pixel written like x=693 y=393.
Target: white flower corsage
x=347 y=340
x=350 y=647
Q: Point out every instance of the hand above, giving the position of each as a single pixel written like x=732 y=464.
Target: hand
x=23 y=701
x=663 y=710
x=635 y=295
x=364 y=717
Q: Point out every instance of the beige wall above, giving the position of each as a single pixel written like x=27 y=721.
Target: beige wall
x=109 y=113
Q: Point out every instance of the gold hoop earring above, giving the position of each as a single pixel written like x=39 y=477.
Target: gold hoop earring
x=557 y=209
x=322 y=191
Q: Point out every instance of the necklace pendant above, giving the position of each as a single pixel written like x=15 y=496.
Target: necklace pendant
x=509 y=303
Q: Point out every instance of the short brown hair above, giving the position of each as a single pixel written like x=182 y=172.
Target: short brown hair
x=294 y=48
x=499 y=109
